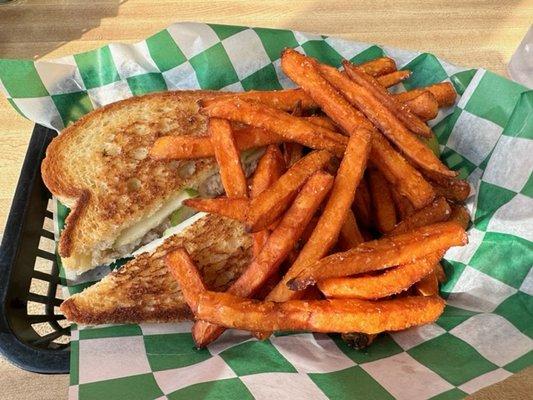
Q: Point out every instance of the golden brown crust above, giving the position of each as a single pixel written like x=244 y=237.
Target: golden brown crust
x=100 y=167
x=143 y=289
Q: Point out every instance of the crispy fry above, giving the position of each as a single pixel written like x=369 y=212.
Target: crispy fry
x=350 y=236
x=460 y=215
x=452 y=189
x=443 y=92
x=383 y=253
x=384 y=210
x=292 y=128
x=335 y=315
x=429 y=285
x=424 y=106
x=188 y=147
x=411 y=121
x=270 y=204
x=227 y=207
x=322 y=121
x=438 y=211
x=269 y=169
x=186 y=274
x=286 y=100
x=363 y=203
x=406 y=179
x=379 y=66
x=280 y=242
x=390 y=282
x=393 y=78
x=227 y=156
x=303 y=71
x=386 y=121
x=404 y=207
x=330 y=223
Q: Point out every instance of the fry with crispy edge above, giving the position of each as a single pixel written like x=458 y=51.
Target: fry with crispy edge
x=228 y=160
x=189 y=147
x=350 y=236
x=291 y=128
x=393 y=78
x=329 y=225
x=386 y=121
x=186 y=274
x=438 y=211
x=269 y=168
x=333 y=315
x=424 y=106
x=270 y=204
x=460 y=215
x=383 y=253
x=452 y=189
x=405 y=179
x=227 y=207
x=323 y=121
x=384 y=209
x=411 y=121
x=304 y=72
x=443 y=92
x=280 y=242
x=371 y=287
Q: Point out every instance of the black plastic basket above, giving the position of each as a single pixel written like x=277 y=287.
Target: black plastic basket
x=33 y=333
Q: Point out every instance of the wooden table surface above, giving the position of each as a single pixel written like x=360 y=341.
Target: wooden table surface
x=472 y=33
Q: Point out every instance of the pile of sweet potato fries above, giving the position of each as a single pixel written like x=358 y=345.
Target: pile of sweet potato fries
x=350 y=209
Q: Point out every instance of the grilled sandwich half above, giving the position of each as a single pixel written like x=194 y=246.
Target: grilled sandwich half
x=119 y=197
x=144 y=291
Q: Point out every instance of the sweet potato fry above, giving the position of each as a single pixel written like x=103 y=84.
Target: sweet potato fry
x=424 y=106
x=280 y=242
x=381 y=254
x=350 y=236
x=460 y=215
x=404 y=207
x=386 y=121
x=322 y=121
x=269 y=168
x=438 y=211
x=292 y=128
x=429 y=285
x=452 y=189
x=304 y=72
x=363 y=203
x=383 y=205
x=334 y=315
x=393 y=78
x=330 y=222
x=406 y=179
x=227 y=156
x=379 y=66
x=188 y=147
x=443 y=92
x=227 y=207
x=286 y=100
x=292 y=152
x=186 y=274
x=270 y=204
x=390 y=282
x=411 y=121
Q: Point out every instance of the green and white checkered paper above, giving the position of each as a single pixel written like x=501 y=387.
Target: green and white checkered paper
x=485 y=332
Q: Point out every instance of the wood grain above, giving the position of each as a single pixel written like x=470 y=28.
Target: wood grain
x=475 y=33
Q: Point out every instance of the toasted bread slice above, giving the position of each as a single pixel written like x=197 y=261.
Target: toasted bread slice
x=100 y=168
x=144 y=291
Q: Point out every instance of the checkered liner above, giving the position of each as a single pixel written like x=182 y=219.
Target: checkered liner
x=485 y=332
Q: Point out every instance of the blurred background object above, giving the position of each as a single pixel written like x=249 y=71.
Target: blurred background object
x=520 y=67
